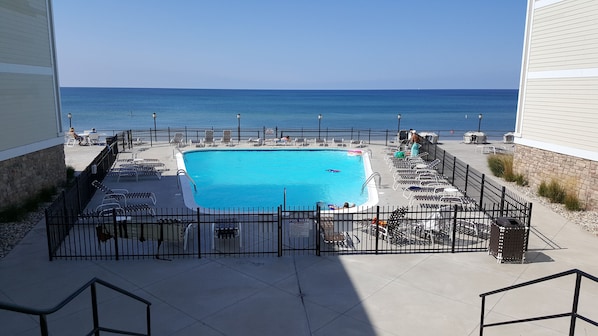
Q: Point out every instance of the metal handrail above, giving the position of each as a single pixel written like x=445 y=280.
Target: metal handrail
x=184 y=172
x=43 y=313
x=374 y=174
x=573 y=314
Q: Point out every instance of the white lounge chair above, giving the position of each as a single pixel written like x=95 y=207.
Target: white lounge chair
x=226 y=138
x=178 y=139
x=208 y=139
x=123 y=194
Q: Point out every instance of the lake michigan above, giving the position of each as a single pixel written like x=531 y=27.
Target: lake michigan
x=442 y=111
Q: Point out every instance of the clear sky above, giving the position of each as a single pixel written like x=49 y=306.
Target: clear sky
x=301 y=44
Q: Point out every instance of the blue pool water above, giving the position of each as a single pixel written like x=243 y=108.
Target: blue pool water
x=228 y=179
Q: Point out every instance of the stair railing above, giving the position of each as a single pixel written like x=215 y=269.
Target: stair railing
x=43 y=313
x=573 y=314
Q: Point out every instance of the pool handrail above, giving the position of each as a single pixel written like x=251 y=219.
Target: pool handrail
x=184 y=172
x=374 y=174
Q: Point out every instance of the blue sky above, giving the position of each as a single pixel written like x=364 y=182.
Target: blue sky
x=274 y=44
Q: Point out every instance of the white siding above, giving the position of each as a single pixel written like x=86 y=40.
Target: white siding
x=564 y=36
x=559 y=110
x=559 y=81
x=28 y=87
x=24 y=33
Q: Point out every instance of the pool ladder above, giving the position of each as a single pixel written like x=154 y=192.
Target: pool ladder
x=184 y=172
x=374 y=174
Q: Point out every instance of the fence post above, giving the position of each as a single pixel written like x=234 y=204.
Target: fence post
x=575 y=304
x=198 y=234
x=454 y=228
x=280 y=231
x=48 y=235
x=466 y=178
x=115 y=233
x=318 y=218
x=528 y=221
x=454 y=168
x=377 y=227
x=482 y=185
x=482 y=316
x=502 y=200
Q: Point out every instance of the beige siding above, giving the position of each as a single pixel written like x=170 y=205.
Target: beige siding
x=28 y=113
x=557 y=107
x=28 y=87
x=564 y=36
x=24 y=35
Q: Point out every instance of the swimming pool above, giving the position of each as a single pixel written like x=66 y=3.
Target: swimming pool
x=267 y=178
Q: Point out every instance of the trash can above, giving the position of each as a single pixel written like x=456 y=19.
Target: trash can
x=508 y=237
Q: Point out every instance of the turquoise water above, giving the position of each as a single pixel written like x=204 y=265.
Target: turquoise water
x=424 y=110
x=258 y=178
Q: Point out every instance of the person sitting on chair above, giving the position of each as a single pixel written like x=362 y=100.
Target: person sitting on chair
x=75 y=135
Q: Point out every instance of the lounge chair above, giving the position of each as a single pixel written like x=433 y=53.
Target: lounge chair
x=256 y=142
x=226 y=138
x=396 y=229
x=208 y=140
x=339 y=142
x=321 y=142
x=329 y=235
x=107 y=209
x=93 y=138
x=439 y=225
x=123 y=194
x=160 y=230
x=70 y=139
x=301 y=142
x=178 y=139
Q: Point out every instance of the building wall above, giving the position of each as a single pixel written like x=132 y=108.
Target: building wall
x=31 y=136
x=557 y=115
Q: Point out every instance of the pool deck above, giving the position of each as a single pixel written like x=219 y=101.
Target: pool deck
x=407 y=294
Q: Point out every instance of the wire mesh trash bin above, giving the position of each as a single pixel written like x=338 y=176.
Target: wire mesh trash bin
x=508 y=238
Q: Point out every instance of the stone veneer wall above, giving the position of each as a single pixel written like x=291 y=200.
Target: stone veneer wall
x=24 y=176
x=575 y=174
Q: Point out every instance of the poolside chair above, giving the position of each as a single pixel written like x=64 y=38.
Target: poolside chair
x=208 y=140
x=123 y=194
x=70 y=139
x=226 y=138
x=329 y=235
x=439 y=225
x=321 y=142
x=301 y=142
x=178 y=139
x=94 y=138
x=339 y=142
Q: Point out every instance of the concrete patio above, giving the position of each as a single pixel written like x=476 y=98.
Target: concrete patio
x=407 y=294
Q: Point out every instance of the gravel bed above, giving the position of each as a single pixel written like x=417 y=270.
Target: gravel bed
x=11 y=233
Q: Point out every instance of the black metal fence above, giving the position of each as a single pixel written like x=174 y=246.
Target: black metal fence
x=166 y=233
x=195 y=135
x=188 y=233
x=476 y=186
x=73 y=200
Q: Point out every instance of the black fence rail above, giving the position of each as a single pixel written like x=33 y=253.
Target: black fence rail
x=476 y=186
x=166 y=233
x=96 y=310
x=187 y=233
x=573 y=314
x=196 y=135
x=73 y=200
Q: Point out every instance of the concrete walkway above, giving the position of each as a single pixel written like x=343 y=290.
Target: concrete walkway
x=409 y=294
